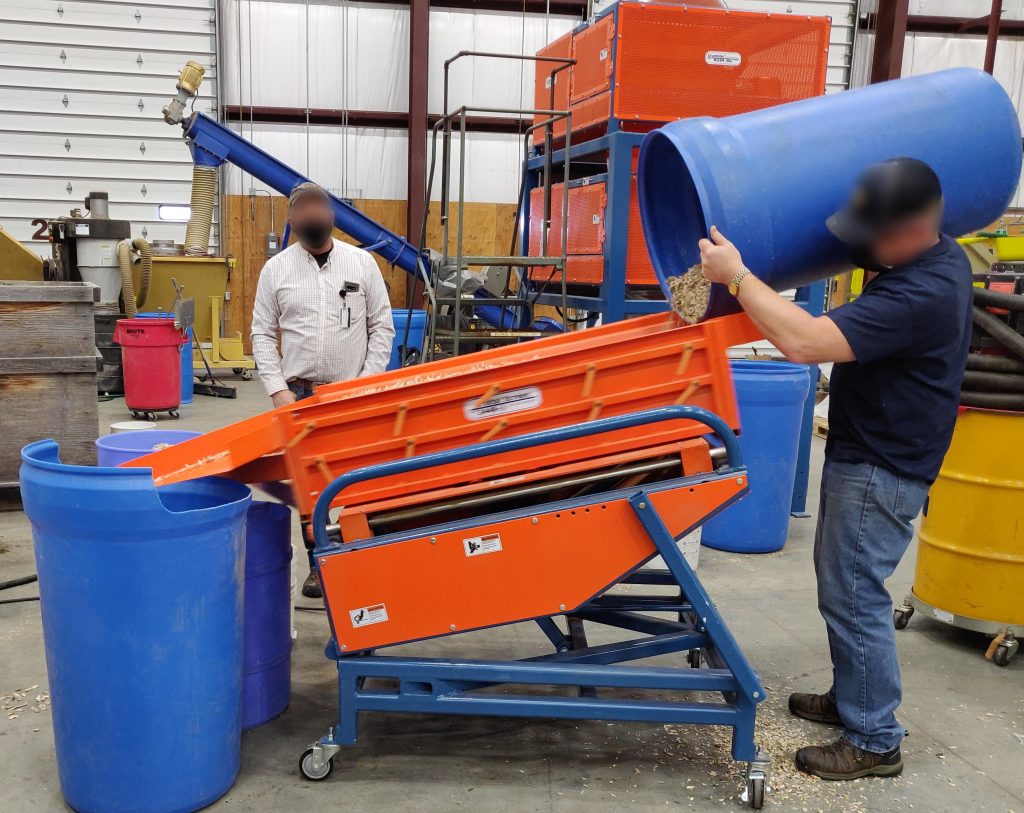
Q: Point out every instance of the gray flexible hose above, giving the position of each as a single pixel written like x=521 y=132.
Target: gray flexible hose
x=1000 y=331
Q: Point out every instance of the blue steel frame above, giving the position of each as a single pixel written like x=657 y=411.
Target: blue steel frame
x=429 y=685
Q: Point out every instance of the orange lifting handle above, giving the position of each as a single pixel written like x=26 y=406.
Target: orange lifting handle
x=476 y=450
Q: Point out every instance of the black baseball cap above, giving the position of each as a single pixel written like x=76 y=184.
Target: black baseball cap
x=886 y=194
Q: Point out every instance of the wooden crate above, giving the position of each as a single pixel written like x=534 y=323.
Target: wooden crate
x=47 y=373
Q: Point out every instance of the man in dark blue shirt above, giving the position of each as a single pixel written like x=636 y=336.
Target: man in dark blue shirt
x=900 y=351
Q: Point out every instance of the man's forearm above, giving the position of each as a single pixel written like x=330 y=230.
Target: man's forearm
x=268 y=363
x=800 y=336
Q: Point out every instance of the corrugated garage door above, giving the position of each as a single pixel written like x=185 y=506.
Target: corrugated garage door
x=82 y=84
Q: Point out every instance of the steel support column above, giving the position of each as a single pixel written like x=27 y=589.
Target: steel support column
x=890 y=35
x=419 y=44
x=992 y=37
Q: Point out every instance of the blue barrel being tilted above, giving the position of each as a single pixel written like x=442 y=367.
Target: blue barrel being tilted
x=141 y=592
x=769 y=179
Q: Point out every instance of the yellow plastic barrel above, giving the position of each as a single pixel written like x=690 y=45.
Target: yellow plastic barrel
x=970 y=557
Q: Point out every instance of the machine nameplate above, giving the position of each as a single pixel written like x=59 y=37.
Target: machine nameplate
x=943 y=615
x=502 y=403
x=364 y=616
x=479 y=545
x=729 y=59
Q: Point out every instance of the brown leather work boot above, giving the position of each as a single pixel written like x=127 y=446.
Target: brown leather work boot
x=814 y=707
x=311 y=586
x=843 y=760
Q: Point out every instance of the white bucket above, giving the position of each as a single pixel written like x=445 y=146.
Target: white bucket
x=131 y=426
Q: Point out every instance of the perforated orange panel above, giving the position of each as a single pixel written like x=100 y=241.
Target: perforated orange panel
x=561 y=47
x=587 y=216
x=673 y=62
x=592 y=50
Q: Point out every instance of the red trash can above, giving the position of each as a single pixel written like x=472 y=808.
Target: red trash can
x=151 y=353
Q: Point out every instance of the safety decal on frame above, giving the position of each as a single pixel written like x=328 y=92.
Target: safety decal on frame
x=502 y=403
x=728 y=59
x=479 y=545
x=364 y=616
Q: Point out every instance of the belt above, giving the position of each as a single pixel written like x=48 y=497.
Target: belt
x=305 y=383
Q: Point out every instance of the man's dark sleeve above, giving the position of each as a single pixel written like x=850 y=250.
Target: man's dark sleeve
x=878 y=324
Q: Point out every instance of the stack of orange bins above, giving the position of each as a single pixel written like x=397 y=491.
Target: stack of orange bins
x=641 y=65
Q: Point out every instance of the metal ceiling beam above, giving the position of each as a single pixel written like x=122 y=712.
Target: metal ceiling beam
x=564 y=8
x=263 y=114
x=930 y=24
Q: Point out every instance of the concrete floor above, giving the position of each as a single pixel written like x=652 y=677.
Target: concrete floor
x=966 y=716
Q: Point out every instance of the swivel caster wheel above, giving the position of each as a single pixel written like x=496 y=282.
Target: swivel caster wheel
x=901 y=616
x=241 y=372
x=755 y=793
x=1005 y=652
x=693 y=658
x=314 y=769
x=150 y=416
x=173 y=413
x=757 y=775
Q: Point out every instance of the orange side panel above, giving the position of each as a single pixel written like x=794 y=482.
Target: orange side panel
x=499 y=572
x=592 y=50
x=560 y=48
x=673 y=62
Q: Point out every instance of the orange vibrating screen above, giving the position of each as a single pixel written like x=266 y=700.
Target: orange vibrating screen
x=638 y=364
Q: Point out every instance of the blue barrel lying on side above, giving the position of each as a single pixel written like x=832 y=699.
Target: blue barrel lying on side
x=771 y=396
x=769 y=178
x=141 y=598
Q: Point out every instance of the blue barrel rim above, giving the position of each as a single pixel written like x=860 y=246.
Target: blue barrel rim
x=108 y=441
x=769 y=366
x=142 y=475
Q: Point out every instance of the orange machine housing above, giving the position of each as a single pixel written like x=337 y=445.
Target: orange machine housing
x=584 y=265
x=641 y=65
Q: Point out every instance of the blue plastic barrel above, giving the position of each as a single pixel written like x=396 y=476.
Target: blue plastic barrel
x=771 y=397
x=118 y=448
x=266 y=684
x=187 y=366
x=417 y=321
x=768 y=179
x=141 y=598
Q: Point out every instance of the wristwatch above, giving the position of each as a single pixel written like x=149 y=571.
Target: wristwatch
x=734 y=286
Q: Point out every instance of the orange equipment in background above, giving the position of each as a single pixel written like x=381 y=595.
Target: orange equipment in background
x=641 y=65
x=638 y=66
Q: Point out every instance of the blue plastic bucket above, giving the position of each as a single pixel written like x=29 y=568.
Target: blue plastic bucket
x=417 y=321
x=141 y=598
x=187 y=367
x=771 y=397
x=267 y=682
x=118 y=448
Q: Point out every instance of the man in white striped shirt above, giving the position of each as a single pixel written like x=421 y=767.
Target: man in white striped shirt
x=328 y=302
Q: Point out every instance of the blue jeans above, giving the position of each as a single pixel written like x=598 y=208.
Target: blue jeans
x=864 y=528
x=299 y=390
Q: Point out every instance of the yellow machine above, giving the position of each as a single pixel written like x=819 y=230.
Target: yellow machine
x=970 y=558
x=204 y=279
x=16 y=261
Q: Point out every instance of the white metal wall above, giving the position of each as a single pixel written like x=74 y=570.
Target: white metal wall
x=355 y=56
x=82 y=84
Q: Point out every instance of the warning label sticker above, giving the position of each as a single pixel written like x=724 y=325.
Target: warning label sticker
x=502 y=403
x=364 y=616
x=479 y=545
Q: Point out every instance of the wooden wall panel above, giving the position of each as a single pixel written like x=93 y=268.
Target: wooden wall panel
x=487 y=230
